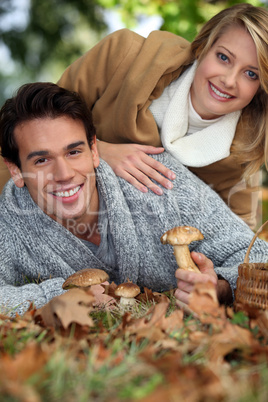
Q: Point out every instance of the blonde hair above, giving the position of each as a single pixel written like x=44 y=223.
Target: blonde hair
x=251 y=149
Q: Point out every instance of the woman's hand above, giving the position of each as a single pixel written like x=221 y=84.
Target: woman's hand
x=187 y=279
x=132 y=163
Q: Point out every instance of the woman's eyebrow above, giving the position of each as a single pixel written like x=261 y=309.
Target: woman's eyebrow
x=229 y=51
x=234 y=56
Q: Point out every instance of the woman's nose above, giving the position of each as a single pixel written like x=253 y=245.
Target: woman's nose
x=229 y=79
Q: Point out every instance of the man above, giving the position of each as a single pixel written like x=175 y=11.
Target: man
x=65 y=210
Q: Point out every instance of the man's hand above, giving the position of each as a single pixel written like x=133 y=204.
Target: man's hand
x=132 y=163
x=187 y=279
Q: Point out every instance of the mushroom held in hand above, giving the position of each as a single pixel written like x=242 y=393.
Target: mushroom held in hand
x=127 y=292
x=180 y=237
x=85 y=278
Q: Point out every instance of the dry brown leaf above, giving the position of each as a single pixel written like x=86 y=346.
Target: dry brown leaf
x=184 y=382
x=101 y=298
x=232 y=337
x=149 y=296
x=160 y=298
x=155 y=325
x=262 y=323
x=154 y=334
x=73 y=306
x=198 y=337
x=154 y=314
x=110 y=288
x=24 y=364
x=21 y=392
x=173 y=322
x=204 y=302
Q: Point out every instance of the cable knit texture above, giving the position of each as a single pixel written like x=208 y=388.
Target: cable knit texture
x=201 y=148
x=35 y=247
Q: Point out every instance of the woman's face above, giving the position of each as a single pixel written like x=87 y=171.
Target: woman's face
x=227 y=78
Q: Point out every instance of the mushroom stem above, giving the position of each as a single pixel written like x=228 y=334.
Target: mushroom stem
x=183 y=258
x=127 y=301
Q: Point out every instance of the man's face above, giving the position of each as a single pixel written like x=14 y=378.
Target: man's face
x=57 y=166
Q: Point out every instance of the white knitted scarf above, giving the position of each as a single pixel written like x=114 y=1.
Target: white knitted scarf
x=201 y=148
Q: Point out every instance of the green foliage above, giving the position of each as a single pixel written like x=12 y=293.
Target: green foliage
x=56 y=32
x=51 y=31
x=101 y=381
x=182 y=17
x=240 y=318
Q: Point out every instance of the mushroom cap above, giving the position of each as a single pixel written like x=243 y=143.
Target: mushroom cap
x=85 y=277
x=181 y=235
x=127 y=289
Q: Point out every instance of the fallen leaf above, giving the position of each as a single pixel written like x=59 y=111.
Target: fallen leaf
x=262 y=323
x=204 y=303
x=149 y=296
x=110 y=288
x=24 y=364
x=155 y=325
x=101 y=298
x=232 y=337
x=73 y=306
x=184 y=382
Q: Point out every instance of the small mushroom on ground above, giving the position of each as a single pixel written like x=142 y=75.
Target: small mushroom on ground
x=180 y=237
x=85 y=278
x=127 y=292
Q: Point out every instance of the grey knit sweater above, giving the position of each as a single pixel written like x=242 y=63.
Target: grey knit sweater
x=34 y=247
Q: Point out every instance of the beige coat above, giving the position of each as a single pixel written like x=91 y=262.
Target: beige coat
x=119 y=78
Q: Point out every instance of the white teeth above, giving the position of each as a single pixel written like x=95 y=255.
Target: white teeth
x=67 y=193
x=219 y=93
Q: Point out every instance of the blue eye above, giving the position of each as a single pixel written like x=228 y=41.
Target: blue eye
x=222 y=57
x=252 y=75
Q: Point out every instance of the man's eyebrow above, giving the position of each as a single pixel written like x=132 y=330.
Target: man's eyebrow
x=45 y=153
x=234 y=56
x=36 y=153
x=74 y=145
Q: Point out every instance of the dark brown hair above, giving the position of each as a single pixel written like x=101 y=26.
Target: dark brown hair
x=36 y=101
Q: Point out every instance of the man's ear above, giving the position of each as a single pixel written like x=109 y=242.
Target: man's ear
x=95 y=154
x=15 y=173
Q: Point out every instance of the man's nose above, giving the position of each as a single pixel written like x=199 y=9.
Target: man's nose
x=63 y=171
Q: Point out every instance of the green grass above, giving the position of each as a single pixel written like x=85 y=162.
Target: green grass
x=108 y=363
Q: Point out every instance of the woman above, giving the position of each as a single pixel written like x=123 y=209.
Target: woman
x=206 y=102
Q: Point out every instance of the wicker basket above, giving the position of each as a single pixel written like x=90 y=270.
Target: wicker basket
x=252 y=281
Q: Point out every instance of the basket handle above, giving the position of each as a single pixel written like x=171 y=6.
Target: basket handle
x=246 y=260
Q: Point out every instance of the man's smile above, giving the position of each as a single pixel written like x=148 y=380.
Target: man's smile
x=66 y=193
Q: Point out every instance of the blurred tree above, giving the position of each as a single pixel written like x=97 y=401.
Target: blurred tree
x=53 y=33
x=52 y=30
x=51 y=36
x=182 y=17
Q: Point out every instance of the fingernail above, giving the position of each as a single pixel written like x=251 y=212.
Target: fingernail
x=171 y=176
x=144 y=189
x=197 y=255
x=159 y=191
x=169 y=185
